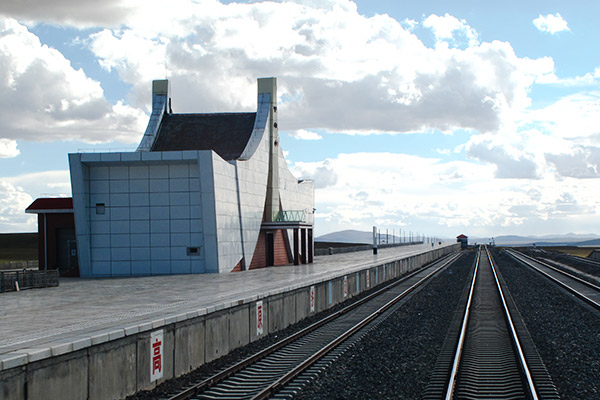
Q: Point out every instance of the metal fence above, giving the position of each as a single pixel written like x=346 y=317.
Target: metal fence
x=361 y=247
x=27 y=279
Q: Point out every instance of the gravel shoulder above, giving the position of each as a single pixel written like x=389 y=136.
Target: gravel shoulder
x=395 y=360
x=172 y=386
x=565 y=330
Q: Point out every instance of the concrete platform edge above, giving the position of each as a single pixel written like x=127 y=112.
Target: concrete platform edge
x=114 y=363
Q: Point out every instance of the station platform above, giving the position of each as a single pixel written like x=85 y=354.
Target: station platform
x=92 y=338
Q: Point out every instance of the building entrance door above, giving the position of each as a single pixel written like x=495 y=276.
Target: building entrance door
x=66 y=251
x=270 y=249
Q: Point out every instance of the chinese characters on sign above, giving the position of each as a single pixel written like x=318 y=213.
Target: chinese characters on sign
x=345 y=286
x=368 y=280
x=259 y=318
x=312 y=299
x=156 y=355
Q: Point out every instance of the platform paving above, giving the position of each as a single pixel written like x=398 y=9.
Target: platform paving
x=91 y=310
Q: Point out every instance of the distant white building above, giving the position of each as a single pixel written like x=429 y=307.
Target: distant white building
x=202 y=193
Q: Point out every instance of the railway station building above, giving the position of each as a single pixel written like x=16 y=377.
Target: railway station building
x=202 y=193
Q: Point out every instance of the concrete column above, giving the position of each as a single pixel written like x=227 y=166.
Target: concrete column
x=303 y=238
x=269 y=86
x=296 y=249
x=311 y=246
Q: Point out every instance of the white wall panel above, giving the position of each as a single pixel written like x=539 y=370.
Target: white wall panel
x=160 y=240
x=160 y=253
x=158 y=171
x=139 y=213
x=99 y=173
x=159 y=186
x=120 y=254
x=180 y=226
x=100 y=240
x=159 y=226
x=140 y=239
x=139 y=172
x=180 y=239
x=99 y=186
x=139 y=186
x=159 y=199
x=139 y=199
x=120 y=213
x=140 y=268
x=120 y=240
x=159 y=212
x=179 y=171
x=118 y=172
x=180 y=212
x=101 y=254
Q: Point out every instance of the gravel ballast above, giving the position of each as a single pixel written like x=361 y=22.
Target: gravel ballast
x=395 y=360
x=585 y=267
x=171 y=386
x=566 y=331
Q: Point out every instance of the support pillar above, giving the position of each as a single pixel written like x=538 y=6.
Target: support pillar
x=311 y=245
x=303 y=239
x=296 y=249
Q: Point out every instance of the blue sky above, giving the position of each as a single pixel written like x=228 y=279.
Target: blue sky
x=434 y=117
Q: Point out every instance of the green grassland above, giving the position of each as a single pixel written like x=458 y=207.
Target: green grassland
x=18 y=247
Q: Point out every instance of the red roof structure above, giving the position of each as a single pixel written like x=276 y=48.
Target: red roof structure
x=461 y=237
x=51 y=205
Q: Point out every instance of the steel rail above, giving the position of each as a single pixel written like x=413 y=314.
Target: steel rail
x=226 y=373
x=514 y=336
x=463 y=333
x=520 y=357
x=281 y=382
x=552 y=267
x=528 y=262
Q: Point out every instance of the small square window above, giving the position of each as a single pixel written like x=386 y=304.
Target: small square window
x=193 y=251
x=100 y=209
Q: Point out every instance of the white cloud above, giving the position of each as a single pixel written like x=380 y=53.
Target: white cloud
x=18 y=192
x=424 y=194
x=582 y=163
x=13 y=201
x=43 y=184
x=338 y=67
x=8 y=148
x=323 y=173
x=79 y=13
x=575 y=117
x=338 y=71
x=43 y=98
x=511 y=160
x=303 y=134
x=551 y=23
x=451 y=30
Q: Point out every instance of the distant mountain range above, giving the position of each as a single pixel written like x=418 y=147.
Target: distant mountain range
x=569 y=239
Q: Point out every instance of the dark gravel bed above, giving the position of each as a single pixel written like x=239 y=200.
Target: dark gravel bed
x=395 y=360
x=168 y=388
x=566 y=331
x=581 y=265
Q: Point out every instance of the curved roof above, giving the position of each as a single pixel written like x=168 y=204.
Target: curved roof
x=227 y=134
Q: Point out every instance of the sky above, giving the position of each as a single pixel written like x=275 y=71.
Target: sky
x=434 y=117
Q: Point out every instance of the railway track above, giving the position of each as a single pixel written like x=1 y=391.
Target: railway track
x=487 y=353
x=282 y=369
x=585 y=290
